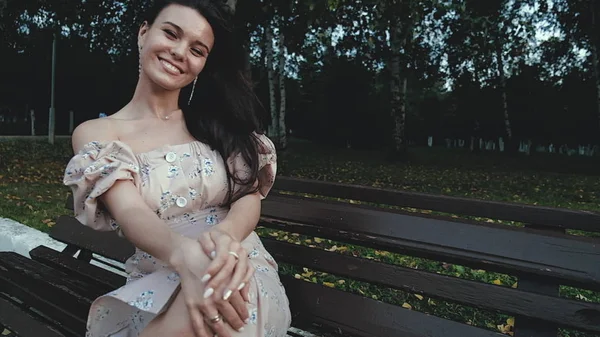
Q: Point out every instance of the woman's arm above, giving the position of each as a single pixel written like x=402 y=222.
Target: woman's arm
x=139 y=224
x=123 y=201
x=242 y=218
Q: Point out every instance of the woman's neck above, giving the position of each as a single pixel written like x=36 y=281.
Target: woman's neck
x=151 y=100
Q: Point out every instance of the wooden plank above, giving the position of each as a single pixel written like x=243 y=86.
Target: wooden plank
x=550 y=309
x=571 y=260
x=48 y=290
x=69 y=230
x=23 y=323
x=557 y=217
x=359 y=316
x=534 y=327
x=103 y=279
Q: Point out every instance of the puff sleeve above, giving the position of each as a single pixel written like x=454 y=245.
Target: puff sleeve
x=267 y=165
x=94 y=170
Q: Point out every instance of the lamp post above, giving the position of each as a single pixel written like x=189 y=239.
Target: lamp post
x=51 y=115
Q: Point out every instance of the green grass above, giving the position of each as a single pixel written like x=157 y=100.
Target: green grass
x=31 y=191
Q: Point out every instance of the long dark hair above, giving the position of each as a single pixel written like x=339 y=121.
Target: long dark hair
x=223 y=112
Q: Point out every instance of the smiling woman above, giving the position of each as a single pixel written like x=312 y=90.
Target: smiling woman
x=180 y=171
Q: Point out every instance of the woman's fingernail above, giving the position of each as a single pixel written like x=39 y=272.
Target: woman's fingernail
x=208 y=292
x=240 y=329
x=213 y=254
x=241 y=286
x=205 y=278
x=247 y=320
x=227 y=294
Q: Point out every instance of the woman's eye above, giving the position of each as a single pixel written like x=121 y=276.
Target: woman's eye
x=197 y=52
x=170 y=33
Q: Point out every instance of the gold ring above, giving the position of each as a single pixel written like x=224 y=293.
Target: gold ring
x=237 y=257
x=215 y=319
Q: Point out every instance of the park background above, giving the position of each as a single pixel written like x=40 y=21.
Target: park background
x=495 y=100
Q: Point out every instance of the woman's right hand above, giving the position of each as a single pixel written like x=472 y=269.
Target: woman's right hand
x=190 y=262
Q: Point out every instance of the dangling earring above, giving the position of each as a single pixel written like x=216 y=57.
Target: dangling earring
x=140 y=62
x=193 y=88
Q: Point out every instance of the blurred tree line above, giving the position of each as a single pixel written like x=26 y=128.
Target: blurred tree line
x=354 y=73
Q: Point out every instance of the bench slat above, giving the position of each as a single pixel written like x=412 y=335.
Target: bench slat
x=364 y=317
x=556 y=217
x=569 y=313
x=23 y=323
x=50 y=291
x=494 y=248
x=101 y=278
x=70 y=231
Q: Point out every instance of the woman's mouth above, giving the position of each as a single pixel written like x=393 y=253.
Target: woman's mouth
x=170 y=68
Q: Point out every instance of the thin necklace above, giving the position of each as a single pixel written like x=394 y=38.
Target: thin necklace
x=168 y=116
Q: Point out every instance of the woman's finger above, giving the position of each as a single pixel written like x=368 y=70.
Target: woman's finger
x=240 y=306
x=231 y=315
x=245 y=290
x=198 y=324
x=222 y=243
x=217 y=267
x=208 y=245
x=239 y=272
x=214 y=319
x=219 y=281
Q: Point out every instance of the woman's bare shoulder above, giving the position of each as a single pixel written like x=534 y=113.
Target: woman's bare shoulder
x=99 y=129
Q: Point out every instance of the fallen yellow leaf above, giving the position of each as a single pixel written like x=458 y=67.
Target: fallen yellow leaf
x=407 y=306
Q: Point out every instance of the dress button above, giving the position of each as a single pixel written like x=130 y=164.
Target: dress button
x=171 y=157
x=181 y=202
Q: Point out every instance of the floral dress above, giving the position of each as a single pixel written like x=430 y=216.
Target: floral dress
x=185 y=185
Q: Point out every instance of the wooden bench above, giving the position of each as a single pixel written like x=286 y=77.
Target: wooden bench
x=55 y=289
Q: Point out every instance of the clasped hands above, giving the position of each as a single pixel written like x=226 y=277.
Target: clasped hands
x=216 y=295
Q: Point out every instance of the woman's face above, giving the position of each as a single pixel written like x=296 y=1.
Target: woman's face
x=175 y=47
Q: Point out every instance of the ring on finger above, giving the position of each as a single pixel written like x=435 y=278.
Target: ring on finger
x=215 y=319
x=237 y=257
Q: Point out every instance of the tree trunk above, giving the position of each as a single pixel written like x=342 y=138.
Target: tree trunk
x=398 y=91
x=282 y=98
x=273 y=129
x=595 y=45
x=502 y=80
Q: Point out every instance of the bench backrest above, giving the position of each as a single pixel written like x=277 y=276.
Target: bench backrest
x=361 y=216
x=540 y=256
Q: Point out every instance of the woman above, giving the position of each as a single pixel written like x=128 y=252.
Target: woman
x=189 y=207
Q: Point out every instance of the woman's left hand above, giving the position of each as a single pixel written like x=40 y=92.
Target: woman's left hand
x=230 y=269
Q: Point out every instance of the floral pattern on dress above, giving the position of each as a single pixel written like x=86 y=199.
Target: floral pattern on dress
x=193 y=193
x=200 y=178
x=253 y=253
x=207 y=167
x=173 y=171
x=212 y=218
x=144 y=301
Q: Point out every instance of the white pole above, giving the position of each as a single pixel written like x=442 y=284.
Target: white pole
x=51 y=116
x=32 y=118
